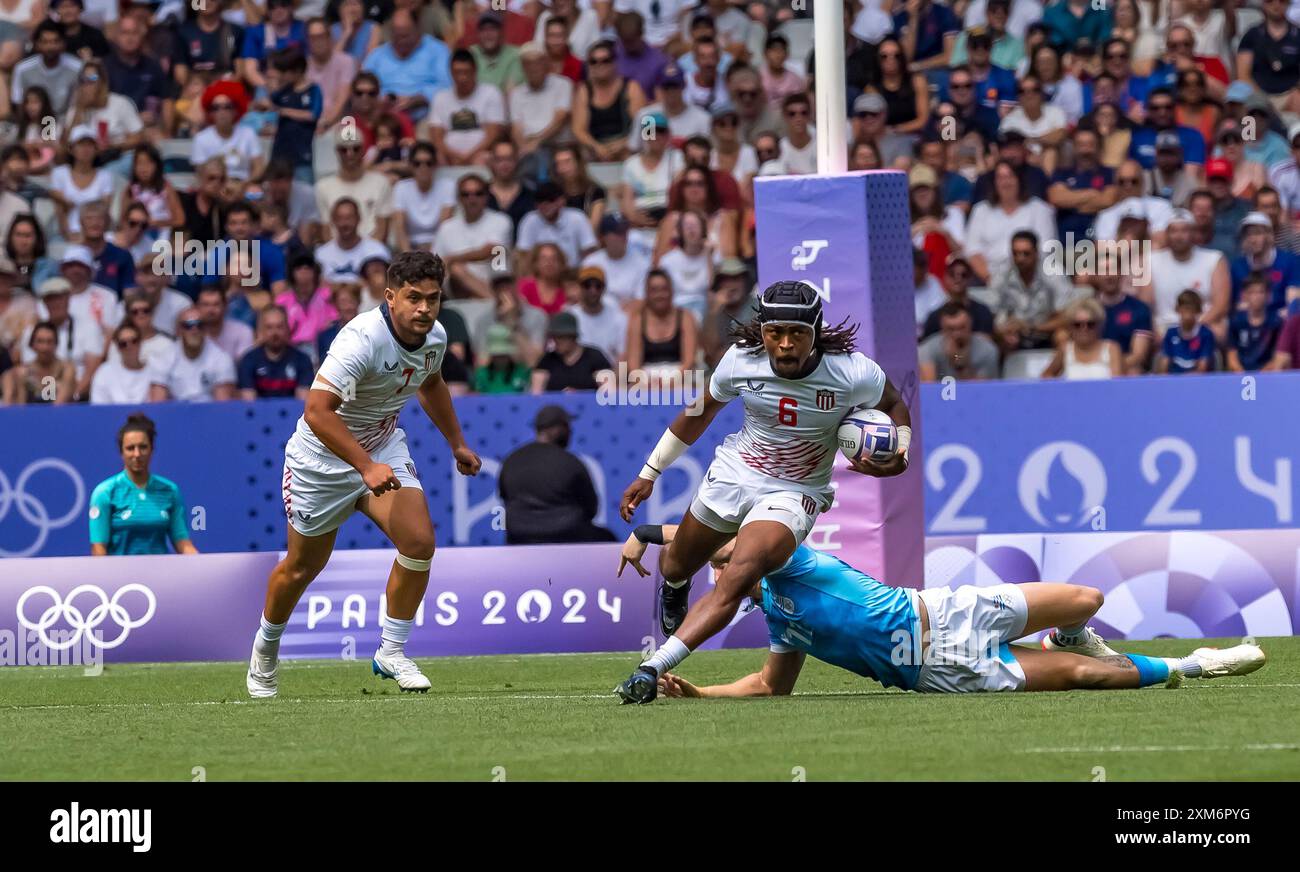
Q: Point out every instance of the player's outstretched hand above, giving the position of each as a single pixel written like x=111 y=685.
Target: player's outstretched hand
x=894 y=466
x=677 y=688
x=633 y=551
x=380 y=479
x=637 y=493
x=467 y=462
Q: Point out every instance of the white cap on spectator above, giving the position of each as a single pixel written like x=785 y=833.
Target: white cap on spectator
x=1256 y=219
x=1180 y=216
x=52 y=286
x=80 y=132
x=1292 y=132
x=78 y=254
x=532 y=50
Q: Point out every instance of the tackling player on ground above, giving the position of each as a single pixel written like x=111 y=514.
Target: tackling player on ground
x=767 y=484
x=937 y=640
x=348 y=454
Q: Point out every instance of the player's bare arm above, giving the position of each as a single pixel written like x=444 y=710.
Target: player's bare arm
x=435 y=399
x=777 y=678
x=891 y=403
x=639 y=540
x=321 y=415
x=680 y=435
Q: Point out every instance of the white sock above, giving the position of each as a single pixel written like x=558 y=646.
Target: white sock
x=1188 y=666
x=676 y=584
x=267 y=641
x=670 y=653
x=394 y=634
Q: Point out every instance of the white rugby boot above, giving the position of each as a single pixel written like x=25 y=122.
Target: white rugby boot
x=1092 y=645
x=263 y=676
x=402 y=669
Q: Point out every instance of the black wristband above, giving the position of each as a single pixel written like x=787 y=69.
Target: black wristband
x=649 y=534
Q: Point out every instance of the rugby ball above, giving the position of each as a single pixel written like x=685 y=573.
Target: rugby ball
x=867 y=433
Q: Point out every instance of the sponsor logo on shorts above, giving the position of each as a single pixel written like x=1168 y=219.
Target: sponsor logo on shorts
x=305 y=516
x=809 y=505
x=1001 y=601
x=826 y=400
x=410 y=467
x=710 y=477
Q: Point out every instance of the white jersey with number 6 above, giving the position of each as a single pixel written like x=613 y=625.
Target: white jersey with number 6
x=376 y=373
x=790 y=424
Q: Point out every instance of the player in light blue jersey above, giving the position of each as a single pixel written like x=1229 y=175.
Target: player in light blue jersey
x=938 y=640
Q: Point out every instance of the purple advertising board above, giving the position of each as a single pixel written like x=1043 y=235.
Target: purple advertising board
x=566 y=599
x=848 y=236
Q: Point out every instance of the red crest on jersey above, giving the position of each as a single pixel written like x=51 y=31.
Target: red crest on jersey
x=826 y=400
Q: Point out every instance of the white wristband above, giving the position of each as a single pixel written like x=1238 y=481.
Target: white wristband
x=904 y=439
x=665 y=453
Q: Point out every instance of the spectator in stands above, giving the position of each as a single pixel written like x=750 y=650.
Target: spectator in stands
x=553 y=221
x=569 y=365
x=779 y=81
x=543 y=286
x=149 y=186
x=273 y=367
x=113 y=268
x=1189 y=346
x=730 y=302
x=1043 y=125
x=199 y=370
x=117 y=125
x=497 y=61
x=347 y=250
x=956 y=351
x=331 y=69
x=1008 y=49
x=559 y=59
x=208 y=46
x=205 y=206
x=1196 y=109
x=151 y=288
x=638 y=59
x=79 y=181
x=1133 y=202
x=1229 y=209
x=539 y=107
x=224 y=104
x=583 y=24
x=936 y=228
x=569 y=171
x=1115 y=131
x=79 y=338
x=136 y=512
x=502 y=373
x=604 y=106
x=799 y=145
x=1285 y=236
x=731 y=154
x=345 y=297
x=928 y=32
x=745 y=87
x=1254 y=329
x=1285 y=174
x=506 y=191
x=422 y=202
x=1128 y=319
x=139 y=311
x=1085 y=355
x=1170 y=178
x=527 y=324
x=1287 y=353
x=25 y=246
x=280 y=30
x=546 y=490
x=42 y=376
x=132 y=234
x=1068 y=21
x=685 y=119
x=134 y=74
x=306 y=303
x=929 y=294
x=957 y=279
x=697 y=190
x=369 y=190
x=50 y=68
x=1160 y=119
x=600 y=325
x=1268 y=56
x=374 y=282
x=1081 y=191
x=467 y=117
x=297 y=199
x=124 y=380
x=1260 y=255
x=689 y=263
x=412 y=66
x=1186 y=266
x=354 y=33
x=231 y=335
x=967 y=113
x=32 y=112
x=1029 y=296
x=297 y=104
x=17 y=306
x=662 y=337
x=474 y=241
x=89 y=302
x=992 y=222
x=1061 y=87
x=624 y=268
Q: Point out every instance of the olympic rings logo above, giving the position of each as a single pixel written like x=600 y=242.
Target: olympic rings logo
x=84 y=623
x=32 y=510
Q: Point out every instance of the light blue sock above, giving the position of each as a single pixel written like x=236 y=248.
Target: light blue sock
x=1151 y=670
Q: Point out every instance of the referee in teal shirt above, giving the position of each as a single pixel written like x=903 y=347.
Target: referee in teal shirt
x=134 y=512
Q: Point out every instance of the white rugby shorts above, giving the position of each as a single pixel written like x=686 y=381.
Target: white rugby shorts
x=321 y=491
x=970 y=628
x=733 y=495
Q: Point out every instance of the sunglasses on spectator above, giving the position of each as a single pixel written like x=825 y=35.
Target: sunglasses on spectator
x=1117 y=56
x=1128 y=181
x=140 y=310
x=728 y=121
x=365 y=92
x=89 y=78
x=421 y=163
x=474 y=192
x=222 y=107
x=600 y=61
x=593 y=283
x=1181 y=43
x=191 y=324
x=137 y=224
x=796 y=113
x=1161 y=107
x=127 y=343
x=1085 y=325
x=959 y=86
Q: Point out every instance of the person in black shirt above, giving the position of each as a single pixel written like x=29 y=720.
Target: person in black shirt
x=546 y=490
x=1012 y=148
x=137 y=76
x=956 y=284
x=82 y=40
x=568 y=366
x=1269 y=53
x=299 y=105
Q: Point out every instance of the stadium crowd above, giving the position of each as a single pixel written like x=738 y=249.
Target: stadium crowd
x=196 y=196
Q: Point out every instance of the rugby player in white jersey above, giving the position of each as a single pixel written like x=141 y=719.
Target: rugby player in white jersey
x=797 y=378
x=348 y=454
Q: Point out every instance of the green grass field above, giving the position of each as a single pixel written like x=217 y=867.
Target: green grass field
x=553 y=717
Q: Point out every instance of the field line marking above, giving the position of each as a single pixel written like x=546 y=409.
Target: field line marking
x=1157 y=749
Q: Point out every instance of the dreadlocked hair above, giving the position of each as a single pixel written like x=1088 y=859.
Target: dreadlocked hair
x=840 y=339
